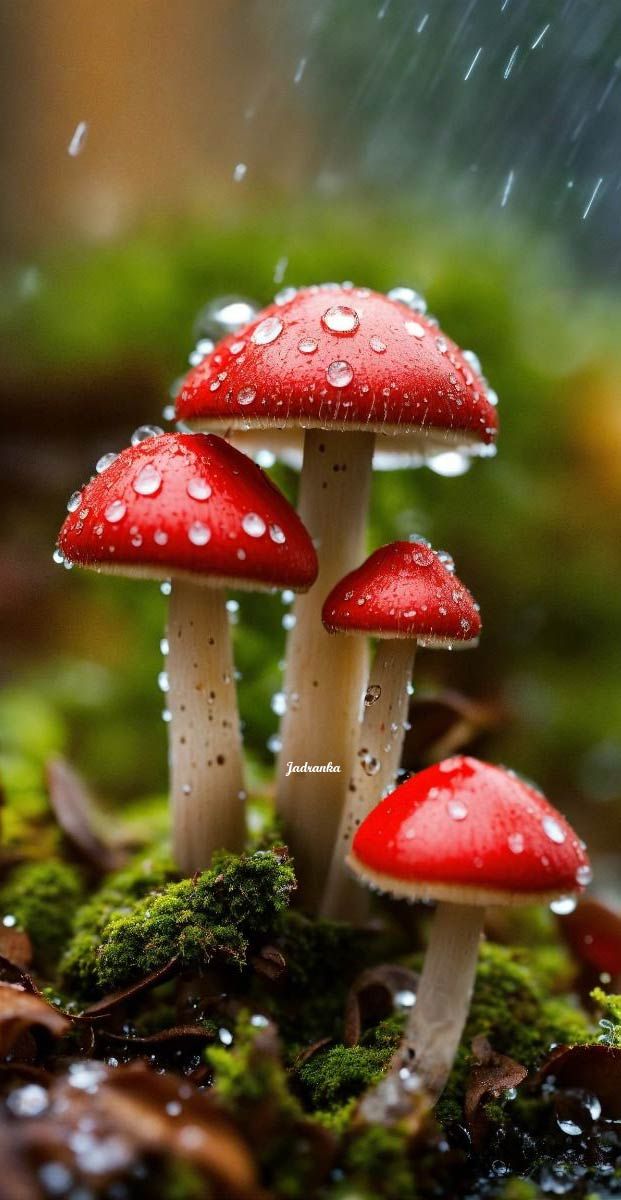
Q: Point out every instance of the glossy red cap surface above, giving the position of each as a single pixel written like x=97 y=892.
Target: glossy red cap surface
x=471 y=832
x=594 y=933
x=189 y=503
x=334 y=357
x=404 y=590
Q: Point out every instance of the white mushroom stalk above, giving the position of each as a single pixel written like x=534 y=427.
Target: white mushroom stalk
x=325 y=677
x=206 y=763
x=381 y=735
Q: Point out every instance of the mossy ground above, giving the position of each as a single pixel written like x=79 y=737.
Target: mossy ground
x=269 y=987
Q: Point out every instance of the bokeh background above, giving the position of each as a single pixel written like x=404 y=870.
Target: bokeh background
x=156 y=157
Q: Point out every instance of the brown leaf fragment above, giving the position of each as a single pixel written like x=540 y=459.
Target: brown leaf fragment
x=371 y=997
x=593 y=1067
x=15 y=946
x=178 y=1033
x=77 y=815
x=167 y=1114
x=21 y=1011
x=108 y=1003
x=493 y=1074
x=269 y=962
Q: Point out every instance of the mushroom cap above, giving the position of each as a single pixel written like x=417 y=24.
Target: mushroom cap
x=470 y=833
x=189 y=505
x=343 y=358
x=404 y=590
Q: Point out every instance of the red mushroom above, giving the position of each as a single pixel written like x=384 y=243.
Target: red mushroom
x=192 y=507
x=346 y=365
x=467 y=835
x=404 y=594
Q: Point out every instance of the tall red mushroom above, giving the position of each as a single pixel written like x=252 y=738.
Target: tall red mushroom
x=192 y=507
x=347 y=366
x=467 y=835
x=404 y=594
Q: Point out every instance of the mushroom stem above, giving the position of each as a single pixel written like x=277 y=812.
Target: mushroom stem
x=205 y=744
x=380 y=743
x=443 y=997
x=325 y=676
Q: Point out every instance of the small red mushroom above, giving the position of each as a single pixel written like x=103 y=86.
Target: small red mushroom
x=467 y=835
x=193 y=507
x=405 y=594
x=347 y=366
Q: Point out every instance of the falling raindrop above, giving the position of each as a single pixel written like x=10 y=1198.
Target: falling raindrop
x=224 y=315
x=78 y=139
x=239 y=172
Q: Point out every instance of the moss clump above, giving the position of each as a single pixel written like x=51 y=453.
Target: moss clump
x=220 y=913
x=335 y=1076
x=43 y=897
x=610 y=1022
x=323 y=957
x=253 y=1086
x=121 y=890
x=378 y=1160
x=511 y=1006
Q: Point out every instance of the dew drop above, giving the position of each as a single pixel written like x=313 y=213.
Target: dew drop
x=285 y=295
x=515 y=842
x=115 y=511
x=277 y=535
x=199 y=533
x=407 y=295
x=236 y=348
x=74 y=502
x=148 y=481
x=414 y=328
x=104 y=462
x=58 y=557
x=340 y=373
x=253 y=525
x=473 y=361
x=553 y=830
x=143 y=432
x=370 y=764
x=457 y=810
x=160 y=537
x=246 y=395
x=584 y=875
x=267 y=331
x=199 y=489
x=307 y=345
x=377 y=344
x=341 y=319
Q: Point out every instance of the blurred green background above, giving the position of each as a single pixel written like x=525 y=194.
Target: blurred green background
x=109 y=256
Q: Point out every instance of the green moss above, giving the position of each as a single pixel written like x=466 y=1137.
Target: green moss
x=323 y=957
x=121 y=890
x=44 y=898
x=512 y=1007
x=379 y=1160
x=335 y=1076
x=611 y=1016
x=220 y=913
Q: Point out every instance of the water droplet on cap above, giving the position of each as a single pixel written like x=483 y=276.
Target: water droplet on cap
x=340 y=319
x=74 y=502
x=148 y=481
x=457 y=810
x=253 y=525
x=553 y=830
x=143 y=432
x=340 y=373
x=307 y=345
x=277 y=535
x=584 y=875
x=199 y=533
x=267 y=331
x=377 y=344
x=104 y=462
x=115 y=511
x=199 y=489
x=515 y=842
x=415 y=329
x=246 y=395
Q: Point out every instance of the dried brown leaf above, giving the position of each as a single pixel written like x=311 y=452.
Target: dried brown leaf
x=76 y=813
x=372 y=997
x=108 y=1003
x=493 y=1074
x=21 y=1011
x=269 y=962
x=15 y=946
x=593 y=1067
